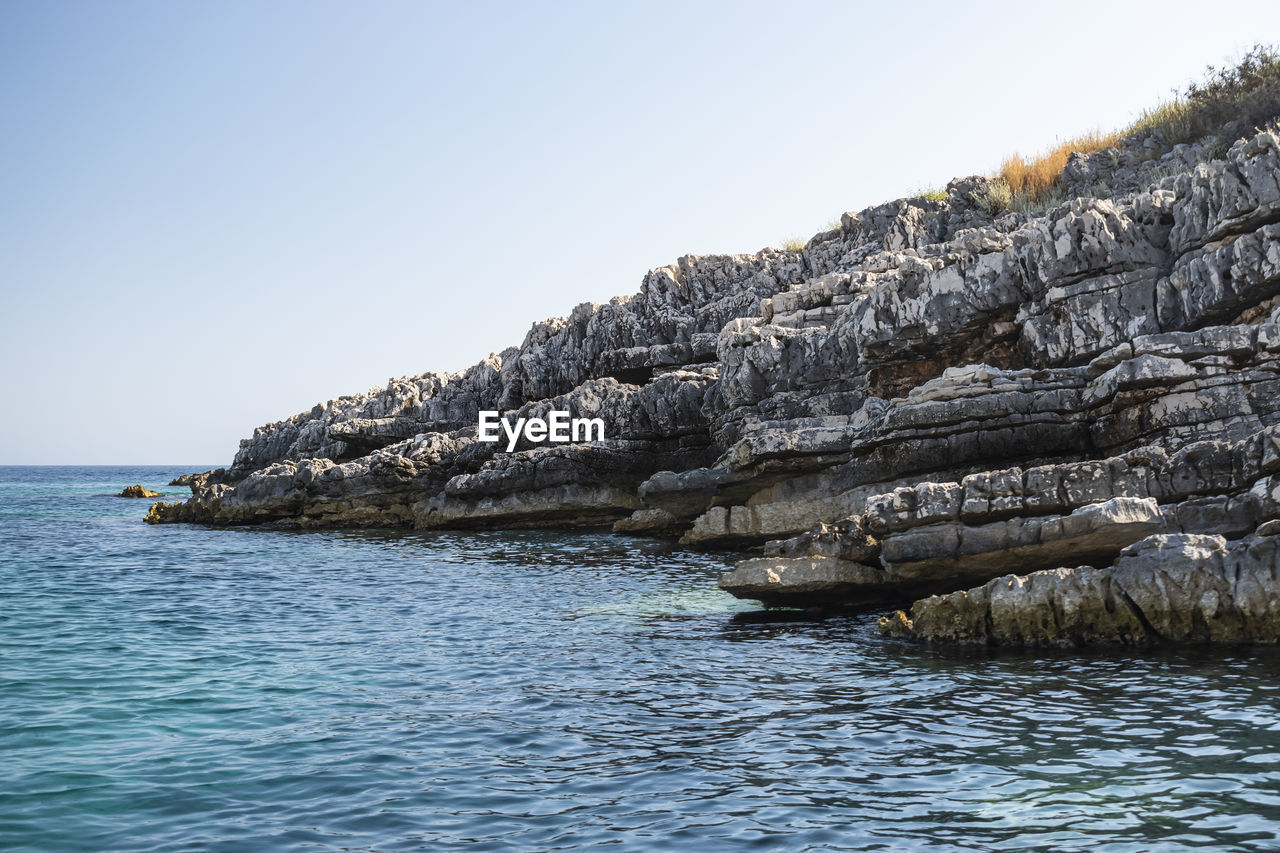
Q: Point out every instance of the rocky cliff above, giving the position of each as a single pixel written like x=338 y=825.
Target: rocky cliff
x=930 y=397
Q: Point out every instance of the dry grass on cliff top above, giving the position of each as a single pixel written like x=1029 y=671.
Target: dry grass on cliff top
x=1248 y=92
x=1035 y=177
x=1246 y=95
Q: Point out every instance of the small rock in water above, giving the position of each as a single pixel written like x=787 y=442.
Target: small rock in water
x=137 y=491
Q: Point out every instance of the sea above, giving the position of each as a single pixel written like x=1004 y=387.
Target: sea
x=178 y=688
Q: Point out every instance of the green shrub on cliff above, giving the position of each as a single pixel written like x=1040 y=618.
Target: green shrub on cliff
x=998 y=197
x=1249 y=92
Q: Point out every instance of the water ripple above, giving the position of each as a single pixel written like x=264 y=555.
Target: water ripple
x=166 y=689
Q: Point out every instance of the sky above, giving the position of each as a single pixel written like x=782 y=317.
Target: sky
x=215 y=215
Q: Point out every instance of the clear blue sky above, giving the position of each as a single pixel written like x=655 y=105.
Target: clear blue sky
x=217 y=214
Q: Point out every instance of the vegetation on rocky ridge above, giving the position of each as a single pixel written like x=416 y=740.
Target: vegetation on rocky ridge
x=1240 y=98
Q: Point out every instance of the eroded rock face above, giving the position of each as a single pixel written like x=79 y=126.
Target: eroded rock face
x=932 y=537
x=951 y=552
x=923 y=398
x=938 y=556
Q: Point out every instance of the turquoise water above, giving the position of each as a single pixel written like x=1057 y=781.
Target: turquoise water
x=175 y=688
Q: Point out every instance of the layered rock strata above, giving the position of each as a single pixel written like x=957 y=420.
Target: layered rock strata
x=922 y=399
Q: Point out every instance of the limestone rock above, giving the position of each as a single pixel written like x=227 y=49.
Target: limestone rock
x=805 y=581
x=939 y=556
x=953 y=552
x=654 y=522
x=923 y=397
x=1166 y=588
x=138 y=492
